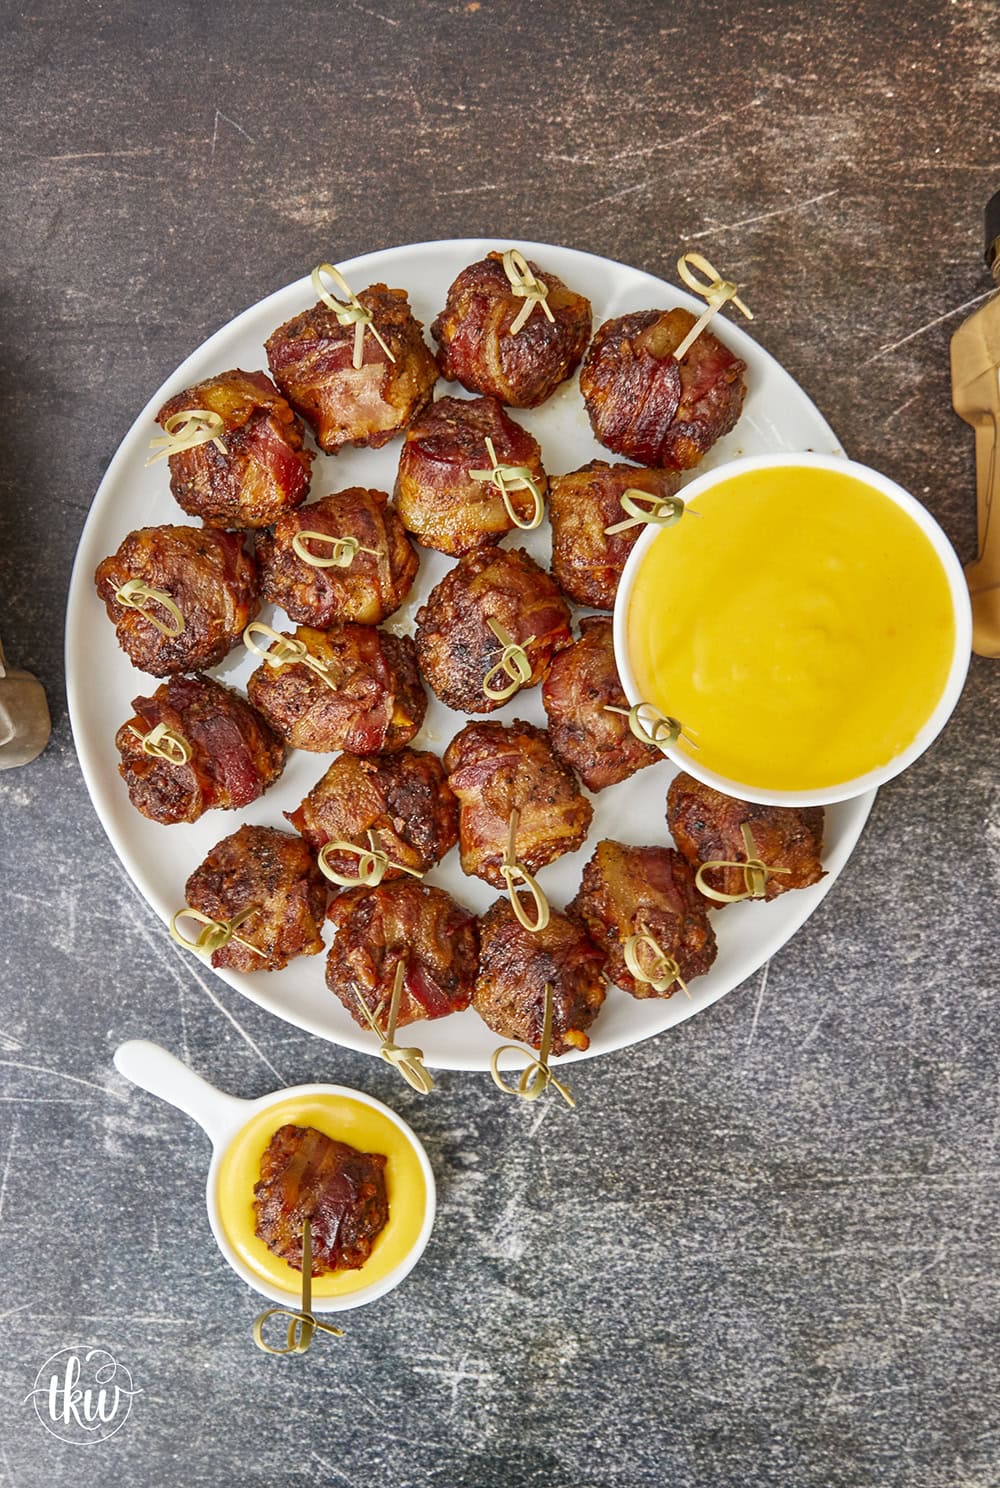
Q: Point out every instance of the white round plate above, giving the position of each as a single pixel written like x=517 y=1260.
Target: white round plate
x=101 y=683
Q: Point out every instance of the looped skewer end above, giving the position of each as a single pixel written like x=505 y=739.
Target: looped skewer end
x=643 y=507
x=715 y=290
x=343 y=550
x=512 y=872
x=373 y=863
x=135 y=594
x=536 y=1076
x=513 y=664
x=283 y=650
x=650 y=726
x=186 y=430
x=755 y=873
x=348 y=311
x=303 y=1325
x=216 y=933
x=661 y=971
x=164 y=743
x=409 y=1062
x=508 y=478
x=525 y=285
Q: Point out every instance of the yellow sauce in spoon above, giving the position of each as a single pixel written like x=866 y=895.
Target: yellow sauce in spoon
x=346 y=1121
x=802 y=630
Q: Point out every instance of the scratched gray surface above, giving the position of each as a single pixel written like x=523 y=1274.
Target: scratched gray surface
x=763 y=1249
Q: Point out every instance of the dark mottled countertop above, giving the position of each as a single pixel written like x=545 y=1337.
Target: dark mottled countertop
x=763 y=1250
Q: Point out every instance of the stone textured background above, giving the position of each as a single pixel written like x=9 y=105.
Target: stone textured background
x=763 y=1250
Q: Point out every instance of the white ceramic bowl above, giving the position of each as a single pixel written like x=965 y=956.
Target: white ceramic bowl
x=846 y=789
x=223 y=1116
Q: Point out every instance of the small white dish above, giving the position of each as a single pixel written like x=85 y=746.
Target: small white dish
x=222 y=1117
x=849 y=789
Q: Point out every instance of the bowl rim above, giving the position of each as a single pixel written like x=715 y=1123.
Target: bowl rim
x=348 y=1300
x=961 y=608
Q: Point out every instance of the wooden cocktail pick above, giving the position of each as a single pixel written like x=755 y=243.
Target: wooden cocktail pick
x=25 y=725
x=302 y=1322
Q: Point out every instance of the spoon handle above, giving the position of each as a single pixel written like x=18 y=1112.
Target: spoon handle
x=154 y=1069
x=983 y=574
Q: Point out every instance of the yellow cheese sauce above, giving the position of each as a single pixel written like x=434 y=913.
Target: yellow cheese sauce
x=802 y=630
x=346 y=1121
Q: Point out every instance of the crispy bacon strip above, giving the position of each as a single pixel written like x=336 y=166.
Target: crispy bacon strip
x=628 y=891
x=311 y=356
x=582 y=684
x=375 y=929
x=455 y=643
x=438 y=500
x=210 y=578
x=372 y=702
x=588 y=562
x=304 y=1174
x=495 y=769
x=514 y=968
x=644 y=404
x=478 y=350
x=370 y=588
x=403 y=798
x=705 y=824
x=264 y=469
x=273 y=874
x=235 y=755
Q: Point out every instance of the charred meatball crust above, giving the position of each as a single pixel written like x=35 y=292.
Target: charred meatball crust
x=311 y=360
x=514 y=968
x=586 y=560
x=647 y=406
x=438 y=499
x=705 y=824
x=582 y=684
x=263 y=470
x=272 y=873
x=207 y=574
x=403 y=798
x=631 y=890
x=370 y=588
x=457 y=648
x=304 y=1174
x=494 y=769
x=408 y=922
x=374 y=702
x=235 y=754
x=478 y=350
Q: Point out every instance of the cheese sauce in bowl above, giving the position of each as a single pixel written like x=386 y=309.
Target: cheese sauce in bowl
x=807 y=623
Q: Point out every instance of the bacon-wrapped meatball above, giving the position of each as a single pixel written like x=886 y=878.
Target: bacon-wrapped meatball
x=233 y=754
x=371 y=586
x=586 y=560
x=494 y=769
x=649 y=892
x=514 y=967
x=644 y=404
x=479 y=349
x=707 y=826
x=208 y=581
x=438 y=499
x=304 y=1174
x=582 y=685
x=366 y=698
x=403 y=798
x=311 y=360
x=263 y=470
x=408 y=922
x=272 y=874
x=457 y=647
